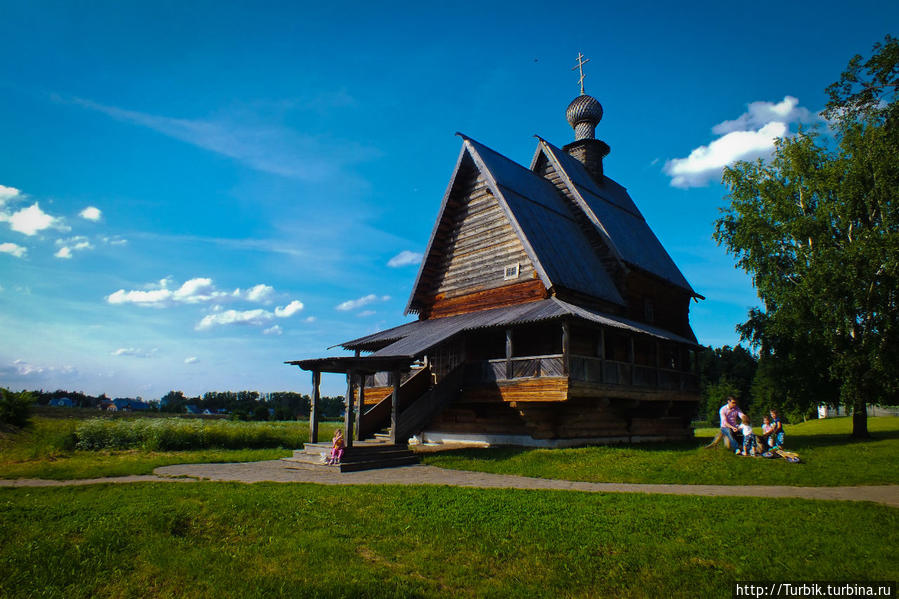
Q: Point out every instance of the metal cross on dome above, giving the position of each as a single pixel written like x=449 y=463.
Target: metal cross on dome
x=580 y=67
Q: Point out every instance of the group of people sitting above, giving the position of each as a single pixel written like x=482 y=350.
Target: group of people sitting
x=739 y=436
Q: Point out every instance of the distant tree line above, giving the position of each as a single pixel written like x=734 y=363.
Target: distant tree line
x=239 y=405
x=250 y=405
x=759 y=384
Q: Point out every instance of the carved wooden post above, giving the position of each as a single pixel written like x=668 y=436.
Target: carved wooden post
x=566 y=346
x=658 y=364
x=360 y=407
x=394 y=405
x=630 y=356
x=313 y=410
x=348 y=414
x=509 y=370
x=601 y=352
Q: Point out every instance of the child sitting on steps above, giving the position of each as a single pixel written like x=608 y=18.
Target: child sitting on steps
x=337 y=446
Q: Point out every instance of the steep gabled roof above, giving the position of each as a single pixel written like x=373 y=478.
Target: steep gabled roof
x=553 y=241
x=616 y=217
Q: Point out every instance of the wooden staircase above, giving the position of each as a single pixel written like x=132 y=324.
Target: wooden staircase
x=363 y=455
x=419 y=406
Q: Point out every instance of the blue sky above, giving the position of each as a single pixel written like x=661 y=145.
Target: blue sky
x=193 y=193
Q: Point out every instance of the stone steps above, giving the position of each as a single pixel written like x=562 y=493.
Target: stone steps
x=363 y=455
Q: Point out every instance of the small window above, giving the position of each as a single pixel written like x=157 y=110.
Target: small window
x=511 y=272
x=648 y=310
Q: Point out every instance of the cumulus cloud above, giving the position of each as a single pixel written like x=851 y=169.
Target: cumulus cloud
x=68 y=246
x=191 y=360
x=289 y=310
x=255 y=317
x=362 y=301
x=21 y=368
x=749 y=136
x=8 y=193
x=91 y=213
x=13 y=249
x=275 y=330
x=134 y=352
x=258 y=293
x=193 y=291
x=405 y=258
x=32 y=220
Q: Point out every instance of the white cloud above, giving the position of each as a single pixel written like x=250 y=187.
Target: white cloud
x=193 y=291
x=405 y=258
x=71 y=245
x=91 y=213
x=289 y=310
x=275 y=330
x=135 y=352
x=8 y=193
x=362 y=301
x=32 y=220
x=191 y=360
x=365 y=313
x=256 y=317
x=14 y=249
x=258 y=293
x=759 y=114
x=749 y=136
x=309 y=319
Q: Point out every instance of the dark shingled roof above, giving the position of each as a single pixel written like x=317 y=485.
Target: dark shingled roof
x=616 y=216
x=414 y=338
x=560 y=252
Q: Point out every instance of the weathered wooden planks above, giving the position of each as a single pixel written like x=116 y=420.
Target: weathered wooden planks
x=510 y=295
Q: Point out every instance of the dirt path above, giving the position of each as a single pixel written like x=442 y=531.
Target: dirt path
x=278 y=471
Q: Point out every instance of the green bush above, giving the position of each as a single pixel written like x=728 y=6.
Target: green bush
x=15 y=408
x=166 y=434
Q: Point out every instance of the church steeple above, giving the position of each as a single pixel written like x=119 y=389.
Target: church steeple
x=583 y=114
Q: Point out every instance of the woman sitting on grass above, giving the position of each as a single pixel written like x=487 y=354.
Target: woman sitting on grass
x=337 y=445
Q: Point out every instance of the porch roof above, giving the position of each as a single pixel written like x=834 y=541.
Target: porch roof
x=414 y=338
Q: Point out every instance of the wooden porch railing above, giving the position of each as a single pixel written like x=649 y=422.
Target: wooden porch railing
x=580 y=368
x=428 y=406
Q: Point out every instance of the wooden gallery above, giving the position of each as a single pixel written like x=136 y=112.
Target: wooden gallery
x=549 y=314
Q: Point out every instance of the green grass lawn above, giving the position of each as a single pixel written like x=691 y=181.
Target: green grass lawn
x=829 y=458
x=46 y=449
x=276 y=540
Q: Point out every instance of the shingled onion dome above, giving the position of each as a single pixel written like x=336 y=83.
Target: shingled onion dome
x=583 y=114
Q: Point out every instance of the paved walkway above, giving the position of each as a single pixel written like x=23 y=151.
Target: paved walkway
x=279 y=471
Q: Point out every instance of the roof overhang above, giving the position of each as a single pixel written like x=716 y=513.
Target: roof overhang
x=357 y=364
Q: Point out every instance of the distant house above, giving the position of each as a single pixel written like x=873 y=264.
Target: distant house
x=130 y=405
x=62 y=402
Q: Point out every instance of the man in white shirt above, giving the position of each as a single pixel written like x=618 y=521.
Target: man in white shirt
x=729 y=415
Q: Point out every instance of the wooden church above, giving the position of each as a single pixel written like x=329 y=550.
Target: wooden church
x=549 y=314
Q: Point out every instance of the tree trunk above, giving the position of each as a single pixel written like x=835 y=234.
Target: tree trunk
x=860 y=418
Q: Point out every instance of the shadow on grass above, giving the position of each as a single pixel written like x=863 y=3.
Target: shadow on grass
x=795 y=442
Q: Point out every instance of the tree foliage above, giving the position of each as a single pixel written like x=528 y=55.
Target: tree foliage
x=817 y=228
x=15 y=408
x=725 y=371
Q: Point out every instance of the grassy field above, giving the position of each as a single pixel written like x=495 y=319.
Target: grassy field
x=271 y=540
x=829 y=458
x=48 y=447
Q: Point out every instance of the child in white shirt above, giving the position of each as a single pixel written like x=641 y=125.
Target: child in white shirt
x=748 y=436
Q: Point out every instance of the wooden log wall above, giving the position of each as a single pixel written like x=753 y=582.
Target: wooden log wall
x=517 y=292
